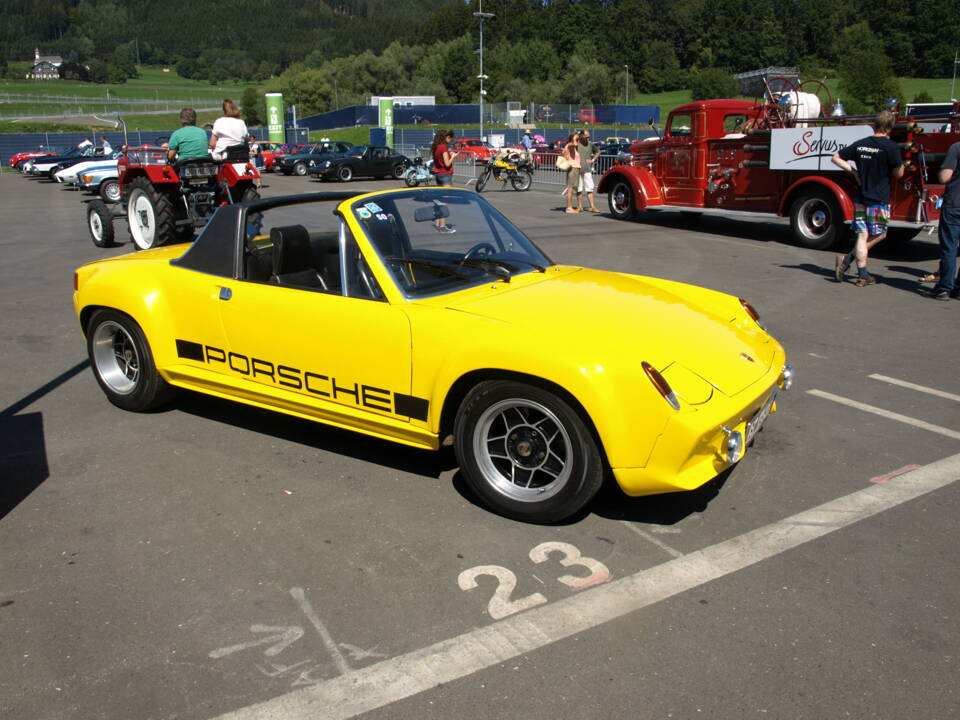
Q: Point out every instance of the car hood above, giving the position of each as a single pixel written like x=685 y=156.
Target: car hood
x=602 y=315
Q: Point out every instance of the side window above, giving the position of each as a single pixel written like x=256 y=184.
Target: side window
x=734 y=123
x=680 y=126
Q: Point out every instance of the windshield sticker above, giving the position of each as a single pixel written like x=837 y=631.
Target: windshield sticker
x=373 y=207
x=364 y=213
x=382 y=217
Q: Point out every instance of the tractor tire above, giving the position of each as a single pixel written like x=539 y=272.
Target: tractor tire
x=100 y=224
x=150 y=215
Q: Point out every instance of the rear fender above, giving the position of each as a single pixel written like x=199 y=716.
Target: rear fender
x=234 y=172
x=843 y=198
x=646 y=187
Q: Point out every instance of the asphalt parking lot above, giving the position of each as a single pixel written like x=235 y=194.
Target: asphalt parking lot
x=212 y=560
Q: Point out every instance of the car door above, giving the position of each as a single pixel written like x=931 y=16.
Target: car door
x=337 y=356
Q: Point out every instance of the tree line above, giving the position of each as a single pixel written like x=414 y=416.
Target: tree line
x=338 y=52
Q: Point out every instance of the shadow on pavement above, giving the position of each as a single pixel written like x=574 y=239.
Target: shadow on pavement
x=23 y=458
x=668 y=509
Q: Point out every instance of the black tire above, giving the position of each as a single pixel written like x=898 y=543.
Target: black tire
x=549 y=467
x=522 y=180
x=109 y=190
x=620 y=200
x=52 y=174
x=345 y=173
x=123 y=364
x=484 y=176
x=150 y=216
x=100 y=224
x=398 y=171
x=816 y=219
x=410 y=178
x=300 y=168
x=250 y=193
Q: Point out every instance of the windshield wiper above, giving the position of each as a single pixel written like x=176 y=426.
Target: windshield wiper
x=428 y=264
x=538 y=268
x=491 y=267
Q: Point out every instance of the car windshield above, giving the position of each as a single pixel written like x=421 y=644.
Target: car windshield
x=356 y=150
x=441 y=241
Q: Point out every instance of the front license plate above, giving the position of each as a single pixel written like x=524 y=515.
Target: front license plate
x=756 y=422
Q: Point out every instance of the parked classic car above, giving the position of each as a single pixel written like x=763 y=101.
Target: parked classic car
x=545 y=378
x=361 y=161
x=299 y=163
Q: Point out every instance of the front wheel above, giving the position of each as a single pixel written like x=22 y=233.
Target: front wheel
x=110 y=190
x=100 y=224
x=621 y=202
x=345 y=174
x=123 y=364
x=816 y=220
x=300 y=169
x=482 y=180
x=522 y=180
x=526 y=452
x=398 y=171
x=410 y=178
x=149 y=215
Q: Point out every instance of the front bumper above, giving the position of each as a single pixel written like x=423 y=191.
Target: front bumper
x=694 y=445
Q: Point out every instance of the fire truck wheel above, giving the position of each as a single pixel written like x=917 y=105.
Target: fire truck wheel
x=815 y=219
x=149 y=215
x=621 y=201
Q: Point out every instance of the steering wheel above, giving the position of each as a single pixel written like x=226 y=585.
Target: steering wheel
x=481 y=247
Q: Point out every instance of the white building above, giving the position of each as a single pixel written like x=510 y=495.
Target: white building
x=403 y=100
x=45 y=67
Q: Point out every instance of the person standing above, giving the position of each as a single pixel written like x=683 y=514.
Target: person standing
x=105 y=144
x=229 y=131
x=189 y=141
x=585 y=185
x=878 y=162
x=526 y=140
x=443 y=158
x=573 y=171
x=948 y=232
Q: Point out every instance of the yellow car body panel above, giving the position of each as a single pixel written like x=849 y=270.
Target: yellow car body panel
x=354 y=363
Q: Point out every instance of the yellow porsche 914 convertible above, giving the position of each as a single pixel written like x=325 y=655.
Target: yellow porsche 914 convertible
x=425 y=317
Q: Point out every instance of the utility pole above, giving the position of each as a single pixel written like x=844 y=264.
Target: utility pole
x=483 y=16
x=952 y=82
x=626 y=77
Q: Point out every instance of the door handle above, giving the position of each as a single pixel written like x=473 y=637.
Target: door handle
x=225 y=293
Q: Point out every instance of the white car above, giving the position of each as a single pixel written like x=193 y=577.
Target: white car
x=102 y=179
x=68 y=176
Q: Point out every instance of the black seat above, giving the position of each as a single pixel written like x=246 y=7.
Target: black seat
x=292 y=259
x=326 y=258
x=237 y=153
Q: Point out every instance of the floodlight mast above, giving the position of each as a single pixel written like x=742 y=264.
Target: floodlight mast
x=483 y=16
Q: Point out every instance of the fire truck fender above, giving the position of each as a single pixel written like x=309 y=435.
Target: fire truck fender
x=807 y=183
x=646 y=187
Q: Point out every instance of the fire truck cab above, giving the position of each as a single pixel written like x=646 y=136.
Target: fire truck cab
x=737 y=158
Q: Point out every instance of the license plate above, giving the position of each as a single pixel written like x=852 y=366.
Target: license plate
x=756 y=422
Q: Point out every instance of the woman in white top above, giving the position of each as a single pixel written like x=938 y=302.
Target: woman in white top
x=228 y=130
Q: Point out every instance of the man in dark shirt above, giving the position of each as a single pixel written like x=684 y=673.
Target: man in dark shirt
x=878 y=160
x=948 y=285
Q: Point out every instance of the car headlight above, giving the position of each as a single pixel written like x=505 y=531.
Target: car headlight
x=312 y=163
x=327 y=163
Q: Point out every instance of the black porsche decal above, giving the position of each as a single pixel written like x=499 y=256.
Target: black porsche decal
x=306 y=381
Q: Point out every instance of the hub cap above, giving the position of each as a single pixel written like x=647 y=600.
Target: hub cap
x=523 y=450
x=142 y=222
x=814 y=218
x=115 y=357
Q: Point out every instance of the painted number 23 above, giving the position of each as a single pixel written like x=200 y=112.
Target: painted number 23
x=500 y=605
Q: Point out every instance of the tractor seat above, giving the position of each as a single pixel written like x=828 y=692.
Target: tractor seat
x=293 y=259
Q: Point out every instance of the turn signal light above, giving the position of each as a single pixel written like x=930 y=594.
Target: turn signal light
x=661 y=384
x=752 y=312
x=76 y=282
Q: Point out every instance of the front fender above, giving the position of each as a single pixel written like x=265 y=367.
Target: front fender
x=842 y=196
x=646 y=187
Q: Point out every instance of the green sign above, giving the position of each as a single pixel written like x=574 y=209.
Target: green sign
x=386 y=118
x=275 y=117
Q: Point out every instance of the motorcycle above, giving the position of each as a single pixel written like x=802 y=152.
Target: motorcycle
x=508 y=166
x=419 y=172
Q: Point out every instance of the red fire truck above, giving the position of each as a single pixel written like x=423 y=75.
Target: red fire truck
x=757 y=159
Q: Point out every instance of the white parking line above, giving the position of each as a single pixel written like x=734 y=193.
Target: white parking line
x=886 y=413
x=650 y=538
x=914 y=386
x=400 y=677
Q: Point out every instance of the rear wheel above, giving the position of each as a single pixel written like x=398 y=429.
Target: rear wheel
x=526 y=452
x=100 y=223
x=300 y=168
x=522 y=180
x=110 y=190
x=410 y=178
x=398 y=171
x=149 y=215
x=123 y=364
x=621 y=202
x=816 y=220
x=345 y=174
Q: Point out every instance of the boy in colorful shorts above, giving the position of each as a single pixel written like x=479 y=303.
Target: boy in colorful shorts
x=878 y=161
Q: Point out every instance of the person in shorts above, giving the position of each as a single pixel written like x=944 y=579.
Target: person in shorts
x=443 y=158
x=573 y=172
x=585 y=185
x=878 y=162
